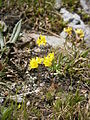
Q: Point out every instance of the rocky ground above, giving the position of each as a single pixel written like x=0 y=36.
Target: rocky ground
x=44 y=92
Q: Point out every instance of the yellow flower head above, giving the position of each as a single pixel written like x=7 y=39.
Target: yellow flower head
x=51 y=56
x=80 y=33
x=19 y=106
x=33 y=63
x=68 y=30
x=39 y=60
x=47 y=62
x=38 y=42
x=41 y=40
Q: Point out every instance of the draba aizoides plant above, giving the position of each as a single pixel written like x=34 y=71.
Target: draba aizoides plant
x=72 y=60
x=46 y=60
x=78 y=32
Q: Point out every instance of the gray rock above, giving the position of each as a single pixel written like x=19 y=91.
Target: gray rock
x=58 y=4
x=75 y=22
x=72 y=18
x=86 y=5
x=51 y=40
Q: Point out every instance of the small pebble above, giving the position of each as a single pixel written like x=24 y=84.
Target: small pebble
x=70 y=88
x=42 y=84
x=37 y=90
x=28 y=103
x=1 y=100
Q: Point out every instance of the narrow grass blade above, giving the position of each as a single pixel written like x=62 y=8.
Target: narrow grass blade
x=1 y=40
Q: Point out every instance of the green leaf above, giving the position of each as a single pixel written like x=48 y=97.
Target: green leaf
x=16 y=32
x=85 y=53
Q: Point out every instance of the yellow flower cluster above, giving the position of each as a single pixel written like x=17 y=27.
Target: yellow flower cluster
x=51 y=56
x=41 y=40
x=39 y=60
x=79 y=32
x=34 y=62
x=47 y=61
x=68 y=30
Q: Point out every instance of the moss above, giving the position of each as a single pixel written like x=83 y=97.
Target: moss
x=72 y=5
x=49 y=96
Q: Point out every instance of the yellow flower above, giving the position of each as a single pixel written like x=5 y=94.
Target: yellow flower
x=80 y=33
x=51 y=56
x=68 y=30
x=39 y=60
x=41 y=40
x=38 y=42
x=47 y=62
x=33 y=63
x=19 y=106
